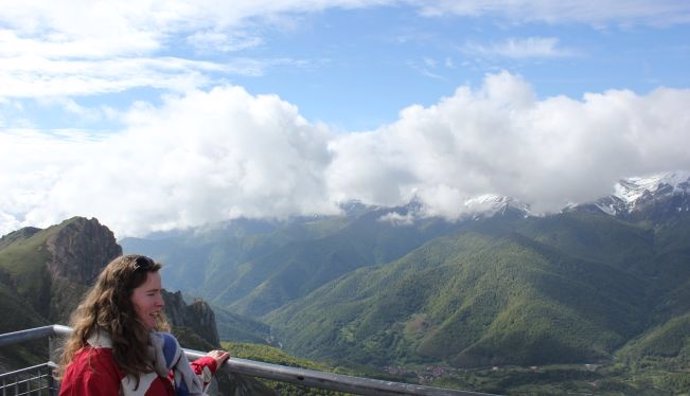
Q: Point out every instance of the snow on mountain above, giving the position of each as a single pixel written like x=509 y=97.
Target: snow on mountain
x=636 y=193
x=633 y=189
x=611 y=205
x=482 y=206
x=663 y=193
x=488 y=205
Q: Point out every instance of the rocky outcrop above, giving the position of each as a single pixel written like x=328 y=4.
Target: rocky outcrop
x=197 y=317
x=79 y=249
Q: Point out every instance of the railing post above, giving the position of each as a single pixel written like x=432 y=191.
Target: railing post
x=52 y=350
x=53 y=385
x=54 y=341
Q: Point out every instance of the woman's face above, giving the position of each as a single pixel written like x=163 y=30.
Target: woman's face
x=148 y=301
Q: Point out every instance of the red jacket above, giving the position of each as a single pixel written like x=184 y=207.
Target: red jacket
x=93 y=372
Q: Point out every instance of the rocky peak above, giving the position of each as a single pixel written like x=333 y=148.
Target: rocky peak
x=197 y=316
x=488 y=205
x=655 y=197
x=639 y=191
x=659 y=197
x=79 y=249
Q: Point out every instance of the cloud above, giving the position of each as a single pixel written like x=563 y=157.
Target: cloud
x=209 y=41
x=30 y=77
x=221 y=153
x=520 y=48
x=206 y=155
x=49 y=49
x=500 y=139
x=597 y=13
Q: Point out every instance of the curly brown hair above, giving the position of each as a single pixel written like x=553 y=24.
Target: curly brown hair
x=108 y=307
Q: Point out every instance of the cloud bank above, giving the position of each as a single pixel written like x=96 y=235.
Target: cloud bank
x=222 y=153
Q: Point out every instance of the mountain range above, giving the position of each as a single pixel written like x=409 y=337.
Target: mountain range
x=596 y=281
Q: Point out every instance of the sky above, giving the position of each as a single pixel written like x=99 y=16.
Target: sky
x=156 y=115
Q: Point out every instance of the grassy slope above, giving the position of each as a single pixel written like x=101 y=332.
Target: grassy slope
x=24 y=261
x=21 y=276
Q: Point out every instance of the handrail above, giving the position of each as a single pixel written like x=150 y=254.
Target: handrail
x=27 y=335
x=295 y=375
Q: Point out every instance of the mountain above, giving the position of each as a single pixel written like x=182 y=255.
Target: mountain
x=663 y=194
x=481 y=297
x=579 y=286
x=489 y=205
x=252 y=267
x=240 y=328
x=50 y=269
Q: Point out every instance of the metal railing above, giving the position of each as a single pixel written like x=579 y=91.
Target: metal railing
x=35 y=380
x=20 y=382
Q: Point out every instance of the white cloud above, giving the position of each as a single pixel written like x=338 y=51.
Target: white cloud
x=33 y=162
x=216 y=154
x=41 y=77
x=600 y=12
x=209 y=151
x=210 y=41
x=51 y=49
x=198 y=157
x=519 y=48
x=501 y=139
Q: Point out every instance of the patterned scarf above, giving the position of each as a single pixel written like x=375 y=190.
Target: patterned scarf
x=168 y=355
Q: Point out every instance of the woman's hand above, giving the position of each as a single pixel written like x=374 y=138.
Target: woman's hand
x=220 y=356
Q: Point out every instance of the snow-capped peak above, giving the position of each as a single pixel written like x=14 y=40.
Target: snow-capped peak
x=490 y=204
x=635 y=193
x=632 y=189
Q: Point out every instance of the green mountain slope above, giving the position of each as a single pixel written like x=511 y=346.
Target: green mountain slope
x=669 y=342
x=209 y=262
x=568 y=288
x=23 y=261
x=254 y=267
x=239 y=328
x=470 y=300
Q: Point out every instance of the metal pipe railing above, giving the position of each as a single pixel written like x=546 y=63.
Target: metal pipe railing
x=34 y=380
x=275 y=372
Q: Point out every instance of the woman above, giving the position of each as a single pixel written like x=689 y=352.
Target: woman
x=117 y=347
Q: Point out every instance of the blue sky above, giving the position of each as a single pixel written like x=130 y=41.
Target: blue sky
x=218 y=109
x=365 y=65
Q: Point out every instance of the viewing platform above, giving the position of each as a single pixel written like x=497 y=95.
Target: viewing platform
x=39 y=380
